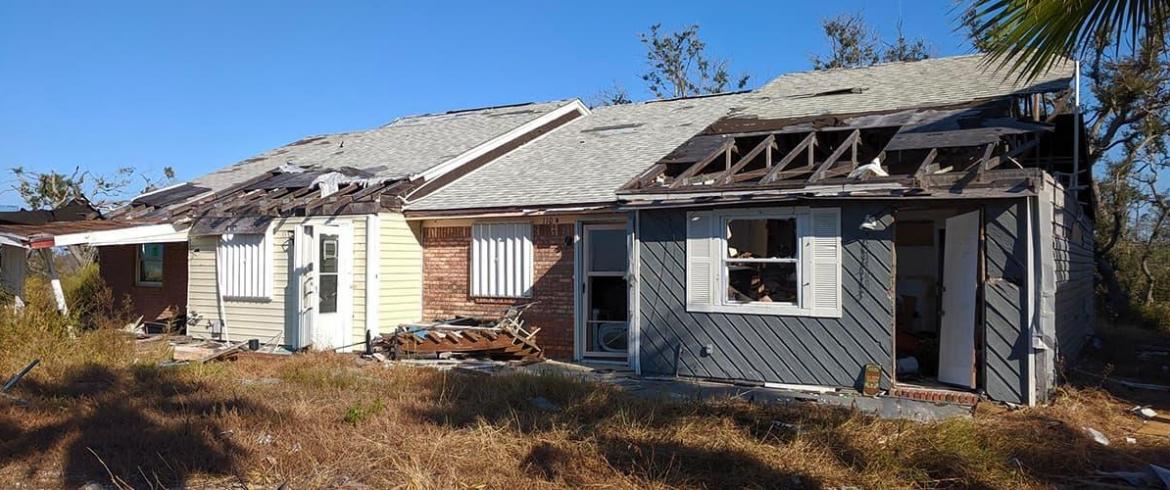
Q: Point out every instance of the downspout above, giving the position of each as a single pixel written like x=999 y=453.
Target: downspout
x=1076 y=129
x=1033 y=304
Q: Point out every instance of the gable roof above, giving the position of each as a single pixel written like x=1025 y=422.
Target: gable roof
x=585 y=161
x=398 y=150
x=354 y=170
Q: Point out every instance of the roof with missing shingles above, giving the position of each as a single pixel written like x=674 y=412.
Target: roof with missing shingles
x=586 y=161
x=402 y=148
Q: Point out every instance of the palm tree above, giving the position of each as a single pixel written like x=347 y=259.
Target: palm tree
x=1030 y=36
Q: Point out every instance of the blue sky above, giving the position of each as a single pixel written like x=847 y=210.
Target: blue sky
x=200 y=85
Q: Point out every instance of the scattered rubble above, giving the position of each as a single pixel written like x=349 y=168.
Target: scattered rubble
x=1097 y=436
x=505 y=339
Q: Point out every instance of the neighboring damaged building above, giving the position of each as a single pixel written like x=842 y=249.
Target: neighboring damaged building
x=931 y=219
x=306 y=245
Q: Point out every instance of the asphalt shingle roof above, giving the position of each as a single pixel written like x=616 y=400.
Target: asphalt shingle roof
x=407 y=146
x=585 y=161
x=894 y=86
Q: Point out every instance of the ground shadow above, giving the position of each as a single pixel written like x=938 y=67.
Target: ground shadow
x=952 y=454
x=143 y=427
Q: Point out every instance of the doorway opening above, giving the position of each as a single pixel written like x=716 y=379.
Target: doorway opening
x=938 y=341
x=604 y=331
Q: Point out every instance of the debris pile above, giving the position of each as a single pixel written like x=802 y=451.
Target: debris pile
x=504 y=339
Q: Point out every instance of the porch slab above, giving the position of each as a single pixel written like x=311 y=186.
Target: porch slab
x=691 y=389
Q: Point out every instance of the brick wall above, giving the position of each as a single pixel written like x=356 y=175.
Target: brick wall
x=119 y=269
x=446 y=263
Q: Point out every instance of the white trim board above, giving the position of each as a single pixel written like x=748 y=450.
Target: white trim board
x=165 y=233
x=451 y=165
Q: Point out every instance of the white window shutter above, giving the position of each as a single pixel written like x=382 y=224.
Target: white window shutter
x=244 y=265
x=825 y=262
x=501 y=260
x=702 y=261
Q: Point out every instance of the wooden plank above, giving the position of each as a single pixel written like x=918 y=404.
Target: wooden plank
x=699 y=165
x=808 y=143
x=766 y=144
x=926 y=163
x=823 y=169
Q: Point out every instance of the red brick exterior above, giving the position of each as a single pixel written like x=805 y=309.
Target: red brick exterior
x=446 y=288
x=119 y=268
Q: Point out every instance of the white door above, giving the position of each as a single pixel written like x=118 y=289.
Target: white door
x=956 y=358
x=325 y=267
x=334 y=287
x=604 y=292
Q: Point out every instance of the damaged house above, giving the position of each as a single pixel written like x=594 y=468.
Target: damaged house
x=929 y=221
x=923 y=228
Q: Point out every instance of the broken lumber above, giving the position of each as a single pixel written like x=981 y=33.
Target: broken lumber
x=19 y=376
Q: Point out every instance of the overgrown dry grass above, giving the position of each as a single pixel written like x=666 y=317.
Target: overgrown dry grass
x=100 y=412
x=323 y=420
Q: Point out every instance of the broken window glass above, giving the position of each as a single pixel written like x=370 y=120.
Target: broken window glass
x=761 y=262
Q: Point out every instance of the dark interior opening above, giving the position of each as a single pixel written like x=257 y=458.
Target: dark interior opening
x=921 y=298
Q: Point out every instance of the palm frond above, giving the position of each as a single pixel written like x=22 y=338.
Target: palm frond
x=1030 y=36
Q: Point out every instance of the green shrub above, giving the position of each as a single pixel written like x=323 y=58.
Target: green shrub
x=357 y=413
x=1155 y=316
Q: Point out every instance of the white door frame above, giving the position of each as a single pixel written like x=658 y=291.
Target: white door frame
x=307 y=256
x=956 y=357
x=582 y=291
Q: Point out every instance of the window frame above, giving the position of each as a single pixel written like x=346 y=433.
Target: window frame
x=139 y=258
x=801 y=217
x=725 y=260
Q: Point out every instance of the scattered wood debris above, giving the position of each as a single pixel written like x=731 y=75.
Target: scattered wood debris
x=8 y=385
x=201 y=351
x=504 y=339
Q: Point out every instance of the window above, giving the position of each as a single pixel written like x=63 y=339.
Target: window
x=762 y=262
x=150 y=264
x=328 y=274
x=501 y=260
x=780 y=261
x=244 y=266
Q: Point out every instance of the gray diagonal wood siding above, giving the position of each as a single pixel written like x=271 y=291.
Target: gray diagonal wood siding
x=822 y=351
x=1005 y=313
x=1072 y=236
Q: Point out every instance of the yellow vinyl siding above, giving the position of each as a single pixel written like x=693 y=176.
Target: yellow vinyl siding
x=272 y=320
x=400 y=264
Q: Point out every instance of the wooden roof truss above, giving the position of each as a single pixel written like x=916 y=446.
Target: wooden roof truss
x=794 y=159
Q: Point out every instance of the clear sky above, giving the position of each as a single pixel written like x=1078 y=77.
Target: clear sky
x=198 y=85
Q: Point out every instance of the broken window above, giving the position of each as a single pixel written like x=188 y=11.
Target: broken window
x=150 y=264
x=762 y=261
